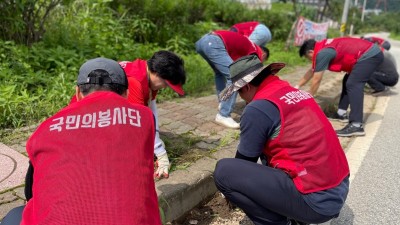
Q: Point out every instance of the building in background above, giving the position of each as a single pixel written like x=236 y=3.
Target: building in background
x=257 y=4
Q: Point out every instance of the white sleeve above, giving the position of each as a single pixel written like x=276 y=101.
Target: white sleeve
x=159 y=146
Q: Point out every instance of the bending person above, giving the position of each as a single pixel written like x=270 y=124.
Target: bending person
x=257 y=32
x=220 y=48
x=359 y=59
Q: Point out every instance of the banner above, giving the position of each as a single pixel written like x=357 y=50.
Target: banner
x=306 y=29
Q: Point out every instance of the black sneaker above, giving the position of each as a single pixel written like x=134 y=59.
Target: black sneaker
x=381 y=93
x=336 y=117
x=350 y=130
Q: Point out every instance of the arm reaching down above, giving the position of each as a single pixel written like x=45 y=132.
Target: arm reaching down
x=162 y=169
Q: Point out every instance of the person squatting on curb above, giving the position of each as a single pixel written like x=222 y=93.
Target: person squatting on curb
x=92 y=162
x=220 y=48
x=145 y=79
x=287 y=128
x=359 y=59
x=385 y=75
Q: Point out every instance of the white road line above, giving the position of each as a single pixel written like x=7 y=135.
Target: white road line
x=360 y=146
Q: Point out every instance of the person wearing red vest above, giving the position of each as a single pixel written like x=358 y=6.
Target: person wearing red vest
x=359 y=59
x=379 y=41
x=384 y=76
x=146 y=78
x=91 y=163
x=220 y=48
x=257 y=32
x=298 y=146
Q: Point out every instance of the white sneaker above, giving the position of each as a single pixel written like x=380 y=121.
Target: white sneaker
x=226 y=121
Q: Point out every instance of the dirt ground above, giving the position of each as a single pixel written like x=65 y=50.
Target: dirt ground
x=215 y=211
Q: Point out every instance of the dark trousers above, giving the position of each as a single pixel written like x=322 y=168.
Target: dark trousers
x=265 y=194
x=353 y=87
x=13 y=217
x=379 y=80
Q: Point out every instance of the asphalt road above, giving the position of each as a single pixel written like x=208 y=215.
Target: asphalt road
x=374 y=196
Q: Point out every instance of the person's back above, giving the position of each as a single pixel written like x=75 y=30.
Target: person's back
x=93 y=161
x=238 y=45
x=380 y=41
x=257 y=32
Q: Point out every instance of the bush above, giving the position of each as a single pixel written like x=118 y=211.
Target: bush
x=39 y=80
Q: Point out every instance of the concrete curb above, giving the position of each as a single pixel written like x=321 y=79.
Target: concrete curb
x=184 y=190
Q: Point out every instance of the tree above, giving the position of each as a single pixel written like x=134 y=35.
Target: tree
x=23 y=21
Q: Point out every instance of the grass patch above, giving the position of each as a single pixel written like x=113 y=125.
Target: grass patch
x=10 y=137
x=182 y=150
x=394 y=36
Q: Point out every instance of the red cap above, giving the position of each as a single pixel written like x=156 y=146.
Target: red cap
x=176 y=87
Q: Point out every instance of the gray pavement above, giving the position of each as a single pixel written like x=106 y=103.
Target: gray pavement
x=183 y=117
x=374 y=190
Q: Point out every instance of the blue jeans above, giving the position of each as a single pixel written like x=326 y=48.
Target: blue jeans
x=13 y=217
x=261 y=35
x=213 y=50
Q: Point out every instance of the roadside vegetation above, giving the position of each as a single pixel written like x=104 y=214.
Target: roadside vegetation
x=43 y=43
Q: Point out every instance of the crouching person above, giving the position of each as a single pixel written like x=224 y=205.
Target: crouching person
x=92 y=162
x=306 y=178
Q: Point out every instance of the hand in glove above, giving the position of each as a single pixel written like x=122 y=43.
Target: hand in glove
x=162 y=166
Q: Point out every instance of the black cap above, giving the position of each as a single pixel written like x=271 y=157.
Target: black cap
x=116 y=75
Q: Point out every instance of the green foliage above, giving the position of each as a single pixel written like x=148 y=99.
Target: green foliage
x=39 y=80
x=199 y=82
x=23 y=20
x=384 y=22
x=290 y=57
x=395 y=36
x=35 y=84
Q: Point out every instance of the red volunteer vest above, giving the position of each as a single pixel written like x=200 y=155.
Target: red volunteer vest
x=93 y=164
x=377 y=40
x=246 y=28
x=138 y=70
x=238 y=45
x=348 y=51
x=307 y=147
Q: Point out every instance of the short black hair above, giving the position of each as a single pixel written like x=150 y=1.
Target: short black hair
x=101 y=74
x=168 y=66
x=307 y=46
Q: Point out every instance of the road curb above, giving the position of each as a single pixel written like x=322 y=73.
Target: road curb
x=186 y=189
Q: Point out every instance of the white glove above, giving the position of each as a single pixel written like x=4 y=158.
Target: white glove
x=162 y=166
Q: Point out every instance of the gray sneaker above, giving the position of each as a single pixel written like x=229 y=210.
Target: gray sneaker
x=350 y=130
x=337 y=117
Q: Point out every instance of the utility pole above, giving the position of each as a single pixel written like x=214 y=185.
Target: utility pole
x=363 y=10
x=353 y=17
x=344 y=17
